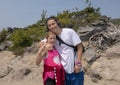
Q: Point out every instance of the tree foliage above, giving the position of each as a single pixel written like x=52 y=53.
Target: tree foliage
x=81 y=18
x=64 y=18
x=3 y=35
x=24 y=37
x=21 y=38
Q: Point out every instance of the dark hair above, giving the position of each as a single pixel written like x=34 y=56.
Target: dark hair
x=51 y=18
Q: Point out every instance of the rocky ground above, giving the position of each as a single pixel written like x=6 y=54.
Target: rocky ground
x=23 y=71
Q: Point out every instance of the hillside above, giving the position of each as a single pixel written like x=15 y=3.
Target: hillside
x=115 y=21
x=101 y=59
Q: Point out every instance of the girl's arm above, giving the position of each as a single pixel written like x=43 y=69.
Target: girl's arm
x=42 y=52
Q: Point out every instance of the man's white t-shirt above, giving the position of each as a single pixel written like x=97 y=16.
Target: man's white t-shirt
x=70 y=37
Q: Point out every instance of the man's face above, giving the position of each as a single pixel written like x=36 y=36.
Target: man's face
x=52 y=25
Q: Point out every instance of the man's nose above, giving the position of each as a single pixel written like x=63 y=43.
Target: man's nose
x=52 y=26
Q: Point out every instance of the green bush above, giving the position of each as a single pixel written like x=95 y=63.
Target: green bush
x=21 y=38
x=3 y=35
x=18 y=51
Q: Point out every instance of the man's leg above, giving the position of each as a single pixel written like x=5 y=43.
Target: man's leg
x=78 y=78
x=67 y=79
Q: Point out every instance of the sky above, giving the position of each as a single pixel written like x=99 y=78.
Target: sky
x=21 y=13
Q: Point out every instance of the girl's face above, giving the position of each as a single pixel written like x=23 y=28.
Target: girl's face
x=52 y=25
x=51 y=39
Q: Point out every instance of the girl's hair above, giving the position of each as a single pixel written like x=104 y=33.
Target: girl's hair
x=51 y=18
x=49 y=33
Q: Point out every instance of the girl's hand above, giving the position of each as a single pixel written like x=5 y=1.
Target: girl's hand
x=42 y=50
x=40 y=54
x=49 y=46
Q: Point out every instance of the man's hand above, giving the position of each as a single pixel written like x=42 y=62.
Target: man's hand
x=77 y=67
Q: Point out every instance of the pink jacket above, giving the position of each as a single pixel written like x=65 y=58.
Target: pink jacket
x=53 y=68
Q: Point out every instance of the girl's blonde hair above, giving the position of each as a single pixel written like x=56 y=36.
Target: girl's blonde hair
x=47 y=35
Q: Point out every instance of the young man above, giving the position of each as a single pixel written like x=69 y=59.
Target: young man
x=72 y=63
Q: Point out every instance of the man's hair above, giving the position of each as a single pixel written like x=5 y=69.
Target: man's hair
x=51 y=18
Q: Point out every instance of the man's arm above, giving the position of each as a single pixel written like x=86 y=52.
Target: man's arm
x=78 y=61
x=79 y=52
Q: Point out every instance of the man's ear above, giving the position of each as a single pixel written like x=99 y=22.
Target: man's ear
x=58 y=23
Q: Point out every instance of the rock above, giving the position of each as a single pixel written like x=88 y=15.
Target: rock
x=4 y=71
x=20 y=73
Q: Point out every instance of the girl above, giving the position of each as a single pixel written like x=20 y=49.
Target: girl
x=53 y=70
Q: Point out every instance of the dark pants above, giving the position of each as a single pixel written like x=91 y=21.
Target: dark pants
x=50 y=81
x=74 y=78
